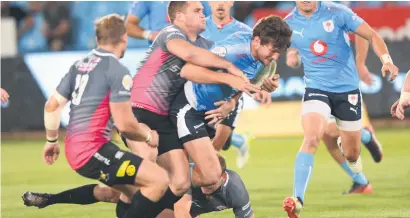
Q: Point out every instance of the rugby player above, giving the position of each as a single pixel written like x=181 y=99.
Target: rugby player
x=4 y=95
x=98 y=87
x=250 y=52
x=332 y=84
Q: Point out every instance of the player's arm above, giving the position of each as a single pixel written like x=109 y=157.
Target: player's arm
x=199 y=56
x=239 y=200
x=293 y=59
x=183 y=206
x=362 y=49
x=351 y=22
x=52 y=114
x=120 y=83
x=398 y=108
x=137 y=12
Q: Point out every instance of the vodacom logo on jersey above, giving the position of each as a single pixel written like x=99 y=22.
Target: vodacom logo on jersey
x=318 y=47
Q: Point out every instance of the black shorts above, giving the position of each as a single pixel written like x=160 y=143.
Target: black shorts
x=190 y=123
x=112 y=166
x=168 y=135
x=345 y=107
x=232 y=119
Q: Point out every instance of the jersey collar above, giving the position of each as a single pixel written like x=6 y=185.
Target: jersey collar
x=315 y=14
x=222 y=25
x=103 y=52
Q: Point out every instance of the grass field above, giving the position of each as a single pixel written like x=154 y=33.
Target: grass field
x=269 y=178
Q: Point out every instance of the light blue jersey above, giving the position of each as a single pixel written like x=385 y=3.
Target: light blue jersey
x=236 y=48
x=216 y=33
x=157 y=12
x=324 y=46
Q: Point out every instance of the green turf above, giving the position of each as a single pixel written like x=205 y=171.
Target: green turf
x=269 y=178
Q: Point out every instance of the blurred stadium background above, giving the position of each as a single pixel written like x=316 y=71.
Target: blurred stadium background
x=33 y=64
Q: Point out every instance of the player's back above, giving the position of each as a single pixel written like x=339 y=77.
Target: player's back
x=158 y=79
x=324 y=46
x=236 y=48
x=231 y=194
x=216 y=33
x=89 y=84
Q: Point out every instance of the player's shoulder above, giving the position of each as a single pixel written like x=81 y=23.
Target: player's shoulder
x=233 y=180
x=291 y=17
x=241 y=26
x=170 y=30
x=334 y=8
x=240 y=36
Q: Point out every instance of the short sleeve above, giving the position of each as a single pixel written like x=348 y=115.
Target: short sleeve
x=65 y=88
x=139 y=9
x=168 y=34
x=239 y=198
x=120 y=82
x=349 y=20
x=228 y=49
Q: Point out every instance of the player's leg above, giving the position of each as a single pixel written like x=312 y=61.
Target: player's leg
x=360 y=182
x=368 y=137
x=347 y=111
x=126 y=172
x=315 y=112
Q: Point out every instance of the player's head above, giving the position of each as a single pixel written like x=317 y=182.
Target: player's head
x=187 y=13
x=212 y=188
x=306 y=6
x=110 y=33
x=271 y=36
x=221 y=9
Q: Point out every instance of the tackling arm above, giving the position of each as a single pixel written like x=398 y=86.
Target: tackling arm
x=199 y=56
x=136 y=31
x=203 y=75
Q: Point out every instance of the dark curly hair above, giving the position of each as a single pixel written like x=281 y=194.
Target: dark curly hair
x=273 y=29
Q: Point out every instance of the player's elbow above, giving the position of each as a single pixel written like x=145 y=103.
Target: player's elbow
x=186 y=71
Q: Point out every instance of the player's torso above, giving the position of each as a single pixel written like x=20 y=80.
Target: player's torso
x=90 y=113
x=207 y=94
x=325 y=49
x=202 y=203
x=158 y=80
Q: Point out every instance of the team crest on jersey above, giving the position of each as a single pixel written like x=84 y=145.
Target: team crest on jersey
x=220 y=51
x=329 y=26
x=127 y=82
x=353 y=99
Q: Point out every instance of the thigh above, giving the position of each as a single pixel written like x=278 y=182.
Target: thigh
x=347 y=109
x=112 y=166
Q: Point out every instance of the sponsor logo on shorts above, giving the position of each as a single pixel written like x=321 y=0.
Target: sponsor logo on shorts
x=317 y=94
x=119 y=154
x=353 y=109
x=197 y=126
x=104 y=176
x=126 y=168
x=101 y=158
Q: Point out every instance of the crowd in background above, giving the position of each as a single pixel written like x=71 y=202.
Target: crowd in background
x=59 y=26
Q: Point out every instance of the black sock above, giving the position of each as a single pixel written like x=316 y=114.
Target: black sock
x=167 y=201
x=80 y=195
x=121 y=209
x=140 y=206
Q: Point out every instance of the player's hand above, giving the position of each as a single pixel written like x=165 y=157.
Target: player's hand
x=365 y=75
x=51 y=152
x=263 y=97
x=270 y=85
x=398 y=108
x=154 y=139
x=223 y=110
x=389 y=67
x=293 y=58
x=4 y=95
x=243 y=86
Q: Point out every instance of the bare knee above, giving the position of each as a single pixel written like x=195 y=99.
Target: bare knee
x=180 y=184
x=312 y=141
x=211 y=174
x=351 y=154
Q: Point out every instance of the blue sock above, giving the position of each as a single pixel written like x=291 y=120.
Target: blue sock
x=237 y=140
x=303 y=172
x=366 y=136
x=357 y=177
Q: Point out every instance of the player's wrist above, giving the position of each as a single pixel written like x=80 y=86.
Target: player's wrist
x=147 y=34
x=386 y=59
x=52 y=139
x=404 y=96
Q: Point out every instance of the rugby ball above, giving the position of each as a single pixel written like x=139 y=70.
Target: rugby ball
x=266 y=72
